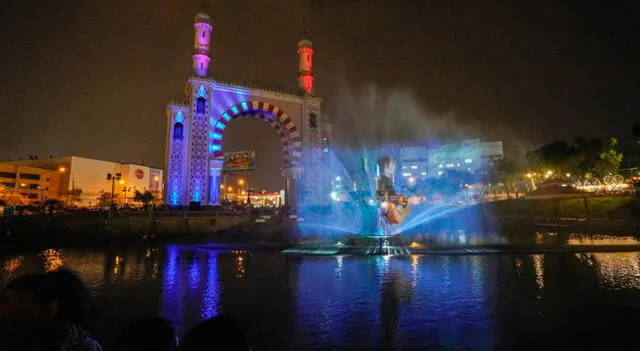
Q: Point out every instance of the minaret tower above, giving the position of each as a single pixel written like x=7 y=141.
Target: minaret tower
x=201 y=57
x=305 y=63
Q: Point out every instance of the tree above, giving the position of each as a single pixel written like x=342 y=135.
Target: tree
x=506 y=172
x=75 y=195
x=146 y=197
x=104 y=199
x=11 y=197
x=609 y=160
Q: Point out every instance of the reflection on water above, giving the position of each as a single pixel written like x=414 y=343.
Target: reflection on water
x=538 y=265
x=52 y=259
x=582 y=239
x=616 y=270
x=347 y=302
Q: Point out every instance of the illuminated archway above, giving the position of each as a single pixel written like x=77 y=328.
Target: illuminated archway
x=290 y=139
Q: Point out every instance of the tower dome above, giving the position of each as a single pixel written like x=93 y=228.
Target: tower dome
x=202 y=17
x=305 y=43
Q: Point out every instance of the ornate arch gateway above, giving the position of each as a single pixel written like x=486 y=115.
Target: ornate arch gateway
x=196 y=126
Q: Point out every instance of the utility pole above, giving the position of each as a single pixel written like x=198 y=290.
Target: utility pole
x=113 y=178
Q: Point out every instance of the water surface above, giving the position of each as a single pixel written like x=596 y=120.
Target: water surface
x=365 y=303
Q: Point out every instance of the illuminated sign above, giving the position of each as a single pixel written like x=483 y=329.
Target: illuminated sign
x=239 y=161
x=139 y=173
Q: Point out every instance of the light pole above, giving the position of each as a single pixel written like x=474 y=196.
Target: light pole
x=241 y=184
x=42 y=197
x=125 y=190
x=113 y=178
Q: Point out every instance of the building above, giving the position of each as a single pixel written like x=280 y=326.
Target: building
x=413 y=164
x=467 y=156
x=196 y=126
x=61 y=175
x=34 y=184
x=419 y=162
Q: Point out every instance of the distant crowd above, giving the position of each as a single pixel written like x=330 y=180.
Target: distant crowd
x=54 y=312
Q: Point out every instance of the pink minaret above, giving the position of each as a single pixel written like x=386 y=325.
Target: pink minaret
x=201 y=57
x=305 y=64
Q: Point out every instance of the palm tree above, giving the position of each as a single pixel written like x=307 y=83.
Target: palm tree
x=146 y=197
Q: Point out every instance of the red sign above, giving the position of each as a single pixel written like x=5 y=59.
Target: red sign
x=139 y=173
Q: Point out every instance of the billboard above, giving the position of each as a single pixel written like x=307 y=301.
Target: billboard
x=239 y=161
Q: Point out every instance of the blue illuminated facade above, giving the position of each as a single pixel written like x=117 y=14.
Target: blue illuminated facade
x=196 y=127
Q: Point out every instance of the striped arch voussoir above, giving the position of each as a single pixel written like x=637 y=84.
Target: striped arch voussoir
x=276 y=118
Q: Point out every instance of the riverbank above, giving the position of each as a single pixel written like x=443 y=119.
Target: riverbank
x=613 y=215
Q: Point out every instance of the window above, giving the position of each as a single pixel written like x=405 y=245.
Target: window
x=30 y=176
x=34 y=186
x=204 y=34
x=200 y=105
x=313 y=121
x=32 y=196
x=308 y=58
x=7 y=185
x=8 y=175
x=178 y=129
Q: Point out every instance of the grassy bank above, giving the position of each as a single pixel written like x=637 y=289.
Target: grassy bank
x=605 y=207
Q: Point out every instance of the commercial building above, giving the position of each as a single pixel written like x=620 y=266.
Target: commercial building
x=420 y=162
x=61 y=175
x=469 y=155
x=413 y=163
x=34 y=184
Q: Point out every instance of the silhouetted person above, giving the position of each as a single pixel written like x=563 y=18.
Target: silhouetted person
x=218 y=333
x=46 y=312
x=155 y=334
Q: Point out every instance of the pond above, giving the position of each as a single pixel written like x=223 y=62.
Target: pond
x=498 y=301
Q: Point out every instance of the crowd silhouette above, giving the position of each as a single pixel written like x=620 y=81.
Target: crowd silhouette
x=54 y=312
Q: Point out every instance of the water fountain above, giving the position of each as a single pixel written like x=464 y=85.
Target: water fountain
x=365 y=202
x=367 y=212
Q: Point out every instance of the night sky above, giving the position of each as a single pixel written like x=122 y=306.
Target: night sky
x=92 y=78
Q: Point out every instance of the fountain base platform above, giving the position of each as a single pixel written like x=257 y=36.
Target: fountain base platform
x=364 y=245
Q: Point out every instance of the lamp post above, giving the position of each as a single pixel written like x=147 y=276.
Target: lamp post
x=113 y=178
x=125 y=190
x=241 y=184
x=42 y=197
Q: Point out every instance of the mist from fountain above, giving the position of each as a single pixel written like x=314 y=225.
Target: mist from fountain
x=372 y=123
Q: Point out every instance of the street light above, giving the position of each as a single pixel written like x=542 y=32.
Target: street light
x=125 y=190
x=113 y=178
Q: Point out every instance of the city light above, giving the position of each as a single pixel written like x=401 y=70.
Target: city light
x=121 y=181
x=62 y=169
x=230 y=189
x=241 y=181
x=411 y=180
x=338 y=178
